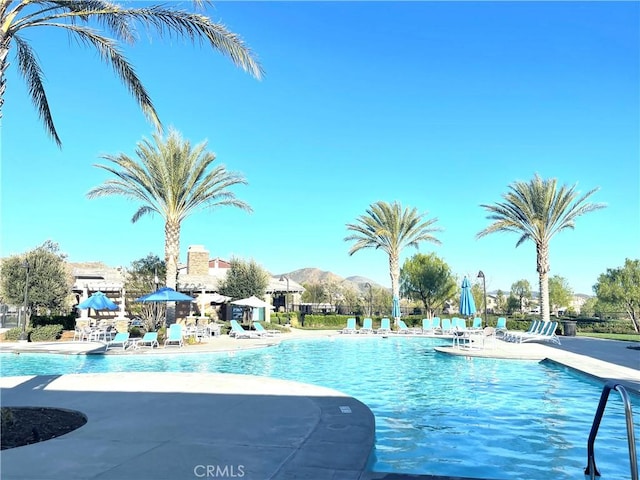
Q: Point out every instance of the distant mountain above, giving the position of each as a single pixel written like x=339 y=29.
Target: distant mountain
x=315 y=275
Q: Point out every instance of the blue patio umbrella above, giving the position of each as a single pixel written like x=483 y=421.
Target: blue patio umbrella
x=467 y=304
x=98 y=301
x=395 y=309
x=165 y=294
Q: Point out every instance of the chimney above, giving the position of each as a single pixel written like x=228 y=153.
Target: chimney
x=197 y=260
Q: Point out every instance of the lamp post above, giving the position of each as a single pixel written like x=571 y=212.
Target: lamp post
x=484 y=289
x=282 y=279
x=370 y=298
x=23 y=334
x=155 y=304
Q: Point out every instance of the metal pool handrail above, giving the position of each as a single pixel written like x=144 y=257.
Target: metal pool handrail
x=591 y=469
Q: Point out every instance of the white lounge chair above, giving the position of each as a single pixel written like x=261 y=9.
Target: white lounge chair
x=367 y=326
x=501 y=327
x=351 y=326
x=385 y=326
x=120 y=340
x=150 y=339
x=260 y=330
x=534 y=327
x=174 y=336
x=238 y=332
x=546 y=334
x=427 y=326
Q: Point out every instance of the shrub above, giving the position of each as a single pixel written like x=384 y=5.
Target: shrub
x=325 y=321
x=135 y=332
x=13 y=335
x=46 y=333
x=68 y=322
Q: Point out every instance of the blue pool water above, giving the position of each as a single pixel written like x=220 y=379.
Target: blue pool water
x=435 y=414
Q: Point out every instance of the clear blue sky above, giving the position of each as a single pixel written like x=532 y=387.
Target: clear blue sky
x=437 y=105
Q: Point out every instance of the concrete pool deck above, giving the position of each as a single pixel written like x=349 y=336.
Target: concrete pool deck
x=207 y=425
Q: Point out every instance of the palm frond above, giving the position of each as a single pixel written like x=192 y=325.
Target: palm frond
x=32 y=73
x=109 y=52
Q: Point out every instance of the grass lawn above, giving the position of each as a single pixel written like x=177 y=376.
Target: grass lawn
x=613 y=336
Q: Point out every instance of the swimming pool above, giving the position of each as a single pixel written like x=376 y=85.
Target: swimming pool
x=435 y=414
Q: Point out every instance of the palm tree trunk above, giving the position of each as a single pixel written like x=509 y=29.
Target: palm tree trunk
x=542 y=252
x=4 y=52
x=394 y=272
x=171 y=253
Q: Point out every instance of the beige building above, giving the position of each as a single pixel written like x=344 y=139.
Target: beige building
x=200 y=278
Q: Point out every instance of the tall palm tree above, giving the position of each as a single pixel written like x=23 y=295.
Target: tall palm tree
x=172 y=180
x=390 y=228
x=82 y=20
x=537 y=210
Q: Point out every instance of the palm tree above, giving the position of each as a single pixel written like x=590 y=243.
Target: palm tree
x=390 y=228
x=170 y=179
x=80 y=17
x=537 y=210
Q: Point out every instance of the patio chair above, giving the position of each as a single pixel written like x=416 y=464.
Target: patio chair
x=479 y=338
x=385 y=326
x=501 y=327
x=214 y=329
x=120 y=340
x=351 y=326
x=238 y=332
x=477 y=324
x=435 y=324
x=367 y=326
x=534 y=327
x=79 y=333
x=459 y=331
x=402 y=328
x=174 y=336
x=260 y=330
x=446 y=327
x=427 y=325
x=547 y=333
x=150 y=339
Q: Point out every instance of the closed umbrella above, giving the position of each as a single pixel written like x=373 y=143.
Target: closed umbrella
x=395 y=309
x=467 y=304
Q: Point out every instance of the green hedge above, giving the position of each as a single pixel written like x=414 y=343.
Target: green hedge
x=13 y=335
x=45 y=333
x=68 y=322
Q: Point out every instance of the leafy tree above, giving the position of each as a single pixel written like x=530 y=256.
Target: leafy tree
x=560 y=293
x=49 y=284
x=521 y=290
x=172 y=180
x=428 y=279
x=382 y=298
x=588 y=308
x=478 y=296
x=84 y=20
x=313 y=293
x=513 y=304
x=140 y=280
x=537 y=210
x=391 y=228
x=353 y=300
x=333 y=292
x=621 y=286
x=244 y=279
x=501 y=301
